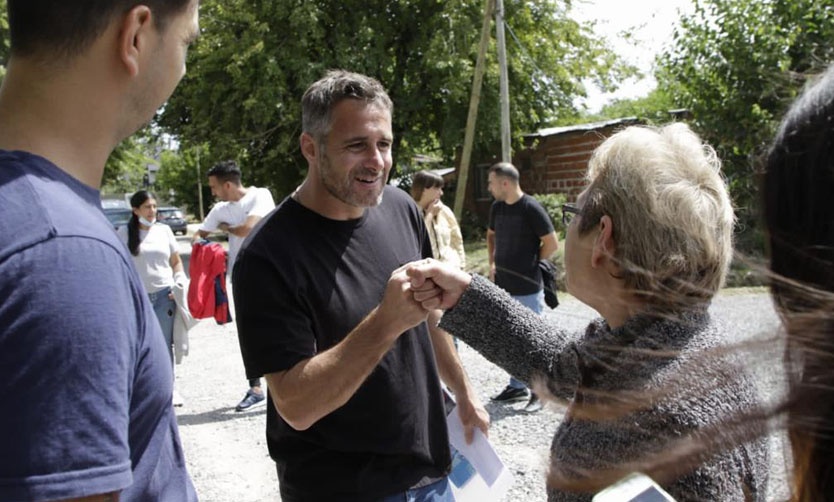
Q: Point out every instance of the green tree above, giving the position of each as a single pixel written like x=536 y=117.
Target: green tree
x=654 y=108
x=256 y=58
x=127 y=165
x=737 y=64
x=4 y=39
x=178 y=174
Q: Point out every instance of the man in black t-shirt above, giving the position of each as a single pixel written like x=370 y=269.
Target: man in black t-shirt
x=520 y=234
x=326 y=313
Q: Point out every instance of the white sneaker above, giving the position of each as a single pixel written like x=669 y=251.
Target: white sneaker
x=177 y=400
x=534 y=404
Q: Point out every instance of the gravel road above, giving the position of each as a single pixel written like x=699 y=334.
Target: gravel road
x=226 y=451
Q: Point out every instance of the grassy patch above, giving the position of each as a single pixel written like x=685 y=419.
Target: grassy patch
x=477 y=260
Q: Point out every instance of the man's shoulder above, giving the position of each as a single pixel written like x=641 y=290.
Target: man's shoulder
x=287 y=216
x=260 y=191
x=218 y=206
x=257 y=194
x=529 y=200
x=41 y=202
x=395 y=197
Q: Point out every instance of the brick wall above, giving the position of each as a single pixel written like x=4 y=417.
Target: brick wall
x=557 y=163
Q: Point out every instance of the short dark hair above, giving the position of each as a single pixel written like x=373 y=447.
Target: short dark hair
x=226 y=170
x=423 y=180
x=63 y=29
x=505 y=170
x=320 y=98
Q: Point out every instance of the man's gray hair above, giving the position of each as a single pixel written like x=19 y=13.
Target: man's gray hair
x=321 y=97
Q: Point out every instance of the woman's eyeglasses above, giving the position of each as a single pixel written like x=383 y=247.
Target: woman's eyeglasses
x=568 y=210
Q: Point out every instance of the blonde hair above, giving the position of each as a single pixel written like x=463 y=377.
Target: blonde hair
x=672 y=216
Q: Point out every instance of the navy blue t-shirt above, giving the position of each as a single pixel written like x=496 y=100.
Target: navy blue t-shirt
x=518 y=229
x=87 y=382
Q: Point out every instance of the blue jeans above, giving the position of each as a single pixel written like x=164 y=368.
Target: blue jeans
x=439 y=491
x=165 y=309
x=534 y=302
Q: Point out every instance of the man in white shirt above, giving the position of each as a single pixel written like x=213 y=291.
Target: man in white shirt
x=239 y=210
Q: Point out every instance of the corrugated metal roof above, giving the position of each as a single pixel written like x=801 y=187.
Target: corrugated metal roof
x=591 y=126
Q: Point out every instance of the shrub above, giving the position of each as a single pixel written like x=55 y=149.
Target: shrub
x=552 y=203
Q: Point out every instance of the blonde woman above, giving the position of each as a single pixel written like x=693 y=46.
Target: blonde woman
x=444 y=231
x=648 y=245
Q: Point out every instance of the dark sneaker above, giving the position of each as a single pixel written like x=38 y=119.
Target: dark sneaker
x=251 y=400
x=176 y=399
x=534 y=404
x=511 y=395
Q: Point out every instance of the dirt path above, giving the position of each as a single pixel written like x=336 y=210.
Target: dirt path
x=226 y=451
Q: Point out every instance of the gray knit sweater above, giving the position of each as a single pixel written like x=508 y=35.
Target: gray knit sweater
x=648 y=355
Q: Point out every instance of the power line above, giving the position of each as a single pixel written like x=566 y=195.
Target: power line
x=523 y=49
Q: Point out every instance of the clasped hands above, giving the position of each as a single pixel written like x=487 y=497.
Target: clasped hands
x=436 y=285
x=419 y=287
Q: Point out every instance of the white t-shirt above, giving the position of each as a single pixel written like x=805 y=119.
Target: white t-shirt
x=156 y=246
x=256 y=202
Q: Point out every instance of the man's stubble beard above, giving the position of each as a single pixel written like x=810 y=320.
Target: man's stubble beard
x=343 y=192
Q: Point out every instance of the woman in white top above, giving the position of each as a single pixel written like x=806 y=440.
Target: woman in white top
x=444 y=231
x=154 y=251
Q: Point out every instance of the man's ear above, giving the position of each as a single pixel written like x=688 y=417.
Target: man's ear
x=136 y=25
x=604 y=243
x=309 y=148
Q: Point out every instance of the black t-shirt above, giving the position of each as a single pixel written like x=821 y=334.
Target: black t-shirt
x=518 y=231
x=302 y=282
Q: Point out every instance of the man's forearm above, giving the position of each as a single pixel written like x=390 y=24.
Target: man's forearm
x=314 y=388
x=549 y=245
x=471 y=411
x=200 y=234
x=244 y=228
x=448 y=363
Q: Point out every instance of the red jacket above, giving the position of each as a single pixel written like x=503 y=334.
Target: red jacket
x=207 y=291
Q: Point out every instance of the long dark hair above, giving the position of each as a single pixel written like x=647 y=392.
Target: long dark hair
x=799 y=212
x=424 y=180
x=136 y=201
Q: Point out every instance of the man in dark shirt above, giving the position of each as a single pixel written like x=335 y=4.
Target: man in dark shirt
x=520 y=234
x=326 y=313
x=87 y=381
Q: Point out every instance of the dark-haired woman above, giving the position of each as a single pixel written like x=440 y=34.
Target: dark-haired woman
x=444 y=231
x=799 y=184
x=154 y=251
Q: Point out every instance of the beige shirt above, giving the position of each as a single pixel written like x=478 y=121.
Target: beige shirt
x=444 y=234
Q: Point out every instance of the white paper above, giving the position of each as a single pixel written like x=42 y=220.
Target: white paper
x=478 y=474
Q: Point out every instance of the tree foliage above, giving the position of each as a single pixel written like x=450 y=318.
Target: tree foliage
x=126 y=166
x=737 y=64
x=4 y=38
x=654 y=108
x=255 y=58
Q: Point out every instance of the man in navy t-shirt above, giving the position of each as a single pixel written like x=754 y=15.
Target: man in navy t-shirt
x=86 y=377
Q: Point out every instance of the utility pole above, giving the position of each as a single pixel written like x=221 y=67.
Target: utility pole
x=474 y=100
x=506 y=155
x=200 y=186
